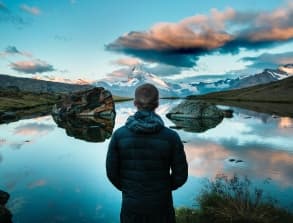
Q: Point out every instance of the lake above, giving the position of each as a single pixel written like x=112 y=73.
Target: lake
x=53 y=177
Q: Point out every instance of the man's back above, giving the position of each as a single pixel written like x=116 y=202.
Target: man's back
x=146 y=161
x=140 y=157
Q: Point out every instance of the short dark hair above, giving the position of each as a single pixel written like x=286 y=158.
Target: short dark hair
x=146 y=97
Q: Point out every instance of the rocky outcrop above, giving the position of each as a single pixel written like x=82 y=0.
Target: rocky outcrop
x=195 y=116
x=88 y=115
x=96 y=102
x=5 y=215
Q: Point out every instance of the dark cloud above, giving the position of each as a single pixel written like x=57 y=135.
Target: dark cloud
x=3 y=8
x=32 y=67
x=182 y=43
x=12 y=50
x=268 y=60
x=8 y=16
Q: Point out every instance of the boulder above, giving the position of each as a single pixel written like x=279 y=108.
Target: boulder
x=88 y=115
x=195 y=116
x=96 y=102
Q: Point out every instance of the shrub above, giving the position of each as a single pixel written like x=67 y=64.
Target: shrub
x=234 y=200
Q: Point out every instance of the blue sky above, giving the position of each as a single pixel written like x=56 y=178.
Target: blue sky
x=89 y=38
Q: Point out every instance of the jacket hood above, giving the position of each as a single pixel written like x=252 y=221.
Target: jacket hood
x=145 y=122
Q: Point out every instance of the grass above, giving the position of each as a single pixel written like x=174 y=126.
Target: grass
x=273 y=92
x=26 y=104
x=233 y=200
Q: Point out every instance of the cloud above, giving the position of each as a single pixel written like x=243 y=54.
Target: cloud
x=127 y=61
x=268 y=60
x=38 y=183
x=30 y=9
x=33 y=129
x=32 y=67
x=182 y=43
x=3 y=7
x=163 y=69
x=12 y=50
x=7 y=16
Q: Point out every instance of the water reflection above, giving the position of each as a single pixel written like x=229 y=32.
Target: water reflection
x=69 y=174
x=34 y=129
x=286 y=122
x=90 y=129
x=254 y=160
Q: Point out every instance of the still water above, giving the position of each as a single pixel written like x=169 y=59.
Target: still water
x=53 y=177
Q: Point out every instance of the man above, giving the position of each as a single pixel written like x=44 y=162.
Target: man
x=146 y=161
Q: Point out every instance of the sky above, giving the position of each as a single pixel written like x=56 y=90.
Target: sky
x=179 y=39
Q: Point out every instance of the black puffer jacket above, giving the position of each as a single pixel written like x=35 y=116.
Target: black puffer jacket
x=140 y=157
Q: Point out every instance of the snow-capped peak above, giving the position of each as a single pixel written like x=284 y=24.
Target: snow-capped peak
x=138 y=76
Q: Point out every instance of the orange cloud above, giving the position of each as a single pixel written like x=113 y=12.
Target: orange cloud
x=32 y=67
x=128 y=61
x=180 y=43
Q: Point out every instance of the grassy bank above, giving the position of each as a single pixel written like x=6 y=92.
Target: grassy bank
x=233 y=200
x=21 y=104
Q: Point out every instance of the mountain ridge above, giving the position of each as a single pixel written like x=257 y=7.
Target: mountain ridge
x=277 y=92
x=34 y=85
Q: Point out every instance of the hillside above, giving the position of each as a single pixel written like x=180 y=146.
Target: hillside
x=276 y=92
x=34 y=85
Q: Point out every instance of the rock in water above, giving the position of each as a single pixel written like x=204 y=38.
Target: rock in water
x=195 y=116
x=96 y=102
x=4 y=197
x=5 y=215
x=87 y=115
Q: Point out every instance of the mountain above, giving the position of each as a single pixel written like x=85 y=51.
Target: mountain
x=79 y=81
x=34 y=85
x=278 y=92
x=267 y=76
x=137 y=77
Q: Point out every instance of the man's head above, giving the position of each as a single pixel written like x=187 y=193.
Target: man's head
x=146 y=97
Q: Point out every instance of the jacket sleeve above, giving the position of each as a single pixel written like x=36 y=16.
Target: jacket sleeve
x=113 y=163
x=179 y=165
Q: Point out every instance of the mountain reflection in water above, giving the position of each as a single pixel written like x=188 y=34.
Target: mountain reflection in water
x=55 y=178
